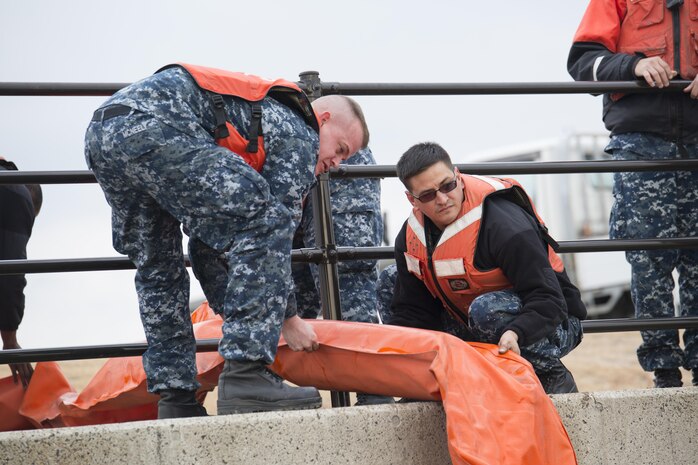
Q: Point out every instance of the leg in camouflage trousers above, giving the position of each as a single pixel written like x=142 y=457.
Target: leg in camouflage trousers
x=156 y=178
x=658 y=205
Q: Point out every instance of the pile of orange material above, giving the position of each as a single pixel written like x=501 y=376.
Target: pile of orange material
x=496 y=410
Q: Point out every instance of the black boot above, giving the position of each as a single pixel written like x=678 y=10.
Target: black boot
x=695 y=376
x=178 y=403
x=245 y=387
x=667 y=378
x=559 y=380
x=372 y=399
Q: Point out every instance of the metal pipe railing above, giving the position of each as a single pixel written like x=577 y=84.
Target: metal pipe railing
x=317 y=255
x=497 y=88
x=388 y=171
x=89 y=89
x=326 y=254
x=211 y=345
x=538 y=167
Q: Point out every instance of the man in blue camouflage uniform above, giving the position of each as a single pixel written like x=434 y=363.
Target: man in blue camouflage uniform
x=356 y=215
x=614 y=43
x=357 y=219
x=152 y=149
x=659 y=204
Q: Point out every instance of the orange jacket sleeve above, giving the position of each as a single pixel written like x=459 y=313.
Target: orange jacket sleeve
x=601 y=23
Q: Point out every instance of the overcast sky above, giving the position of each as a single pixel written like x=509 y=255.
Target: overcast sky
x=356 y=41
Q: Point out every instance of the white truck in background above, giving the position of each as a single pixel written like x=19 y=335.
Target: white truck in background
x=576 y=207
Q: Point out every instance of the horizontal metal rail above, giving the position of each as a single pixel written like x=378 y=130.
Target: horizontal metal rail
x=60 y=89
x=316 y=255
x=47 y=177
x=59 y=265
x=388 y=171
x=539 y=167
x=211 y=345
x=89 y=89
x=498 y=88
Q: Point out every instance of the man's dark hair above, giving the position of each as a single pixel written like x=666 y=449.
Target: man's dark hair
x=419 y=158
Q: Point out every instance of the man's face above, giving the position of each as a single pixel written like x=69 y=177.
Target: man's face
x=444 y=208
x=338 y=141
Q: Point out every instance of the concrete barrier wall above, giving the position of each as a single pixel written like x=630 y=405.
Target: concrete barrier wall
x=608 y=428
x=638 y=427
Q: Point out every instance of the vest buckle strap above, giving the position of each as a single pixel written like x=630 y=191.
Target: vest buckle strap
x=255 y=127
x=221 y=131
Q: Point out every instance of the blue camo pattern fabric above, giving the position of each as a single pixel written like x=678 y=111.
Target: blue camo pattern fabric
x=160 y=168
x=358 y=222
x=488 y=316
x=384 y=292
x=490 y=313
x=658 y=205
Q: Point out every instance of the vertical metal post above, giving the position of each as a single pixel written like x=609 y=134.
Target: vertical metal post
x=324 y=236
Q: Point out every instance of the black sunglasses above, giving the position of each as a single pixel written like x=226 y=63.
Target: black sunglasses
x=428 y=196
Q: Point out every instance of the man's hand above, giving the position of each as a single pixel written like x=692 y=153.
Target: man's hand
x=509 y=341
x=692 y=88
x=299 y=335
x=20 y=371
x=23 y=371
x=655 y=71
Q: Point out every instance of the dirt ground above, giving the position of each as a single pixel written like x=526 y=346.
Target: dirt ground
x=602 y=362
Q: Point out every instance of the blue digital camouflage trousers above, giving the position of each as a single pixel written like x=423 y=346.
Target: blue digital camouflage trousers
x=488 y=316
x=385 y=288
x=357 y=219
x=658 y=205
x=157 y=178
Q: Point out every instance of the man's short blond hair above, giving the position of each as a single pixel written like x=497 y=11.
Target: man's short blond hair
x=329 y=102
x=359 y=114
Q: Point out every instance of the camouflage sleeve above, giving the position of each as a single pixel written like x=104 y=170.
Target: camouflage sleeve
x=291 y=149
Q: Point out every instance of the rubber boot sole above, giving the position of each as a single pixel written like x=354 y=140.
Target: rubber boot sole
x=180 y=411
x=233 y=406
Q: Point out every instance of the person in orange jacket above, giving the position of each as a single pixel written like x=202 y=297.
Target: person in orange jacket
x=475 y=260
x=655 y=42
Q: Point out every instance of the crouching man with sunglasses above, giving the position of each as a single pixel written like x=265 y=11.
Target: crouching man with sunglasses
x=475 y=260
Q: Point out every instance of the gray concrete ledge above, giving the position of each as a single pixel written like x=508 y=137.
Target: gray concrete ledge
x=606 y=428
x=638 y=427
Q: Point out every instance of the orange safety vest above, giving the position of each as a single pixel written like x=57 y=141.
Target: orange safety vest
x=253 y=89
x=647 y=28
x=450 y=273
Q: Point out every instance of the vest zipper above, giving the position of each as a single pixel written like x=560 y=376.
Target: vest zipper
x=675 y=106
x=676 y=23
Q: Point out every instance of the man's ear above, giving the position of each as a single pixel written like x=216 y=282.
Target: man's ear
x=410 y=198
x=324 y=117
